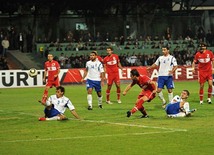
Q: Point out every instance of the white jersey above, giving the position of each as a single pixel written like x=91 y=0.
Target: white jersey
x=94 y=68
x=60 y=103
x=165 y=63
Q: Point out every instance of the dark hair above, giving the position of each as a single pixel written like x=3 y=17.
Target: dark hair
x=62 y=89
x=166 y=46
x=134 y=72
x=94 y=52
x=111 y=48
x=187 y=92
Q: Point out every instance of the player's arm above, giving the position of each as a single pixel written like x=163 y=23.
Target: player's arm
x=173 y=70
x=120 y=66
x=45 y=74
x=102 y=78
x=154 y=86
x=58 y=71
x=193 y=66
x=127 y=89
x=152 y=66
x=84 y=75
x=74 y=113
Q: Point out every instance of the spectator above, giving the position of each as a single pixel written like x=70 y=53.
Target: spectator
x=5 y=44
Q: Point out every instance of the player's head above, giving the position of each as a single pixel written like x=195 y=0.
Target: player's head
x=203 y=46
x=185 y=94
x=60 y=91
x=93 y=56
x=50 y=57
x=109 y=50
x=134 y=72
x=165 y=50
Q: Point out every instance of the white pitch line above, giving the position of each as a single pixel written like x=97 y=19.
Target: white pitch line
x=134 y=125
x=84 y=137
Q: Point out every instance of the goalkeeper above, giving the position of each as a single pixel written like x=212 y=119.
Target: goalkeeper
x=179 y=107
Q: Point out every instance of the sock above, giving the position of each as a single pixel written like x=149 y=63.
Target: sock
x=53 y=118
x=170 y=96
x=201 y=93
x=160 y=95
x=138 y=106
x=45 y=96
x=118 y=93
x=89 y=98
x=100 y=100
x=209 y=91
x=143 y=111
x=107 y=95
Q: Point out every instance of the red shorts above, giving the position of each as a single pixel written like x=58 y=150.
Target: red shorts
x=204 y=76
x=52 y=83
x=113 y=77
x=147 y=93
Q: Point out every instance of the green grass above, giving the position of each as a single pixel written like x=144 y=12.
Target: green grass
x=103 y=131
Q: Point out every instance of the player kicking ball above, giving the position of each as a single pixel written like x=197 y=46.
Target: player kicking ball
x=56 y=105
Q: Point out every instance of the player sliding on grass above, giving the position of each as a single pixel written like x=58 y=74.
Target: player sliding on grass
x=179 y=107
x=149 y=89
x=56 y=105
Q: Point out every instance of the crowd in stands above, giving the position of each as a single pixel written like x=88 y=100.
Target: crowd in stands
x=3 y=63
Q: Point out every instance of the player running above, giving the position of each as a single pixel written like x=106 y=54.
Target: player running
x=205 y=60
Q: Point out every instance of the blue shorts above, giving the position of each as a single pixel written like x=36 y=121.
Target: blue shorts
x=51 y=113
x=93 y=84
x=173 y=108
x=165 y=80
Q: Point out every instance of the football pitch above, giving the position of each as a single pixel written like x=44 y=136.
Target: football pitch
x=104 y=131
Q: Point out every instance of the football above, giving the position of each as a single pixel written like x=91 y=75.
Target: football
x=32 y=72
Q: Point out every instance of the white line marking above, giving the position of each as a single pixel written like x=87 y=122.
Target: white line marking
x=84 y=137
x=134 y=125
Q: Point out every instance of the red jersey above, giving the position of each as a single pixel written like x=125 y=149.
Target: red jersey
x=204 y=61
x=143 y=83
x=100 y=58
x=52 y=68
x=111 y=63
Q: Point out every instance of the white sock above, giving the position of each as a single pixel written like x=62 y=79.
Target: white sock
x=160 y=95
x=53 y=118
x=100 y=99
x=170 y=96
x=89 y=98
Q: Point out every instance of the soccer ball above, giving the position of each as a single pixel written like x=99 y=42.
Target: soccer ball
x=32 y=72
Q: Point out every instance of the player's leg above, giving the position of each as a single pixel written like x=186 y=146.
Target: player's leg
x=138 y=105
x=159 y=90
x=45 y=93
x=97 y=86
x=117 y=83
x=109 y=85
x=201 y=93
x=209 y=91
x=89 y=85
x=50 y=114
x=170 y=86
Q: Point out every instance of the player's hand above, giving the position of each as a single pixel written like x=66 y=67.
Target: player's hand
x=82 y=80
x=148 y=68
x=193 y=70
x=124 y=93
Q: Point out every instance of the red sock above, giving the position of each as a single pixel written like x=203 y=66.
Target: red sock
x=209 y=91
x=107 y=95
x=201 y=93
x=118 y=93
x=138 y=106
x=45 y=96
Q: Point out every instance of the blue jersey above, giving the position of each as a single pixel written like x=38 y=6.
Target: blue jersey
x=172 y=108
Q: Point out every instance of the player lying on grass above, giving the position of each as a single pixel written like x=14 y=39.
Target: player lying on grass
x=56 y=105
x=179 y=107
